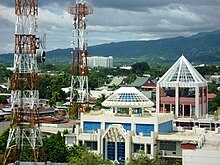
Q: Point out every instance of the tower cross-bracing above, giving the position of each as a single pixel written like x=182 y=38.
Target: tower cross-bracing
x=24 y=135
x=79 y=94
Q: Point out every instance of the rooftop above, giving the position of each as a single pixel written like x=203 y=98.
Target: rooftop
x=127 y=97
x=105 y=112
x=139 y=81
x=183 y=74
x=212 y=142
x=116 y=81
x=178 y=136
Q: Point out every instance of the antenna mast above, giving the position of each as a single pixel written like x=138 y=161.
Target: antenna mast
x=79 y=94
x=24 y=131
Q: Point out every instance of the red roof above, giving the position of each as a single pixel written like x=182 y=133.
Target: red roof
x=211 y=96
x=3 y=105
x=51 y=120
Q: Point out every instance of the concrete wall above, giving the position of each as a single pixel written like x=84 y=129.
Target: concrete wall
x=4 y=125
x=201 y=157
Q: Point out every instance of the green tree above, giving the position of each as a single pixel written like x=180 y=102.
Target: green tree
x=177 y=162
x=139 y=160
x=55 y=148
x=86 y=157
x=3 y=140
x=93 y=82
x=213 y=88
x=3 y=100
x=100 y=99
x=140 y=67
x=158 y=161
x=4 y=74
x=131 y=78
x=54 y=98
x=142 y=158
x=214 y=104
x=75 y=151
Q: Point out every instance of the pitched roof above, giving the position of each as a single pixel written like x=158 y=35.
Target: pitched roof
x=139 y=82
x=116 y=81
x=211 y=95
x=183 y=74
x=127 y=97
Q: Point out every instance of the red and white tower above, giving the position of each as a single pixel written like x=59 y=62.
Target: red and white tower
x=24 y=135
x=79 y=94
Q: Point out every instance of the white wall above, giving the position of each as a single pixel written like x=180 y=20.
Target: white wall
x=201 y=157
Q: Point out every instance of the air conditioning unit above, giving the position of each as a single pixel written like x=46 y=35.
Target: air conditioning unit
x=162 y=152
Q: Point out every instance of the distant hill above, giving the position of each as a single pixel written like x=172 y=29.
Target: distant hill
x=200 y=48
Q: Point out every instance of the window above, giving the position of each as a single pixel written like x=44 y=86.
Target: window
x=138 y=147
x=148 y=149
x=90 y=127
x=168 y=146
x=145 y=128
x=166 y=127
x=123 y=110
x=137 y=111
x=92 y=145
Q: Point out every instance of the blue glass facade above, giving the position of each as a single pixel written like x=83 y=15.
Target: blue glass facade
x=121 y=152
x=145 y=128
x=111 y=151
x=128 y=97
x=126 y=126
x=91 y=126
x=166 y=127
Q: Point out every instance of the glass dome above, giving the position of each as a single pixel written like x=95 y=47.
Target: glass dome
x=127 y=97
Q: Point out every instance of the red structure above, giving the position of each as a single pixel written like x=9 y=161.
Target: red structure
x=24 y=135
x=79 y=95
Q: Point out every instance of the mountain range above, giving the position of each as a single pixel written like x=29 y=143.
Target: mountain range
x=203 y=47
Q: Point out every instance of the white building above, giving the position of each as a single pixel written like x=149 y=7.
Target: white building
x=123 y=129
x=129 y=125
x=96 y=61
x=182 y=90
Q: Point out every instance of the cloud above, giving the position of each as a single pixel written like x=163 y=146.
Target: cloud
x=115 y=20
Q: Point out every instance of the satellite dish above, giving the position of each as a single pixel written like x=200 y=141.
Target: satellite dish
x=43 y=41
x=8 y=84
x=41 y=56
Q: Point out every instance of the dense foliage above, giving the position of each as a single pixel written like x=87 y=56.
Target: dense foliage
x=214 y=103
x=3 y=140
x=82 y=156
x=144 y=159
x=4 y=74
x=55 y=148
x=140 y=67
x=208 y=70
x=54 y=77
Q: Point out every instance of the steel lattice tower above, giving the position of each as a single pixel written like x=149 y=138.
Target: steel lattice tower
x=24 y=131
x=79 y=94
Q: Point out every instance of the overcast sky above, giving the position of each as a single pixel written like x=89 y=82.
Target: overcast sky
x=116 y=20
